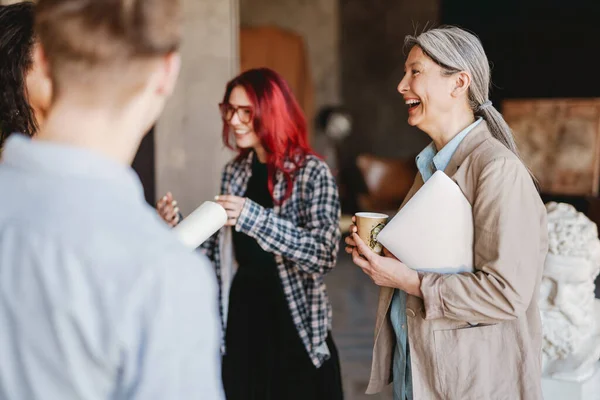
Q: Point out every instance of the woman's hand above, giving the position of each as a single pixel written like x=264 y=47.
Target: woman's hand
x=168 y=210
x=351 y=244
x=233 y=205
x=349 y=241
x=384 y=270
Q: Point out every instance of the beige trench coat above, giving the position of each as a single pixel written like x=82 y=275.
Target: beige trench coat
x=478 y=335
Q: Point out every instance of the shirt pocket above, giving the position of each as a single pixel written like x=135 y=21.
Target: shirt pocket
x=475 y=362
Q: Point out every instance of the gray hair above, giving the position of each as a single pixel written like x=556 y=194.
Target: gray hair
x=457 y=50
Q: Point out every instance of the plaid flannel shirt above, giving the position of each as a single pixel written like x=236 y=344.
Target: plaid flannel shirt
x=303 y=233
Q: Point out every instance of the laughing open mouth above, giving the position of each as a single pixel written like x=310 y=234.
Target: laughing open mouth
x=412 y=104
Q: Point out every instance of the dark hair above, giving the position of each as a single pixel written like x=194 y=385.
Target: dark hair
x=16 y=43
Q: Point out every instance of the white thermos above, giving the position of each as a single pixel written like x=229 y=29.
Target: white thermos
x=201 y=224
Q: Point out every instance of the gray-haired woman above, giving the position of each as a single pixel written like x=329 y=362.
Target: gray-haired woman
x=469 y=335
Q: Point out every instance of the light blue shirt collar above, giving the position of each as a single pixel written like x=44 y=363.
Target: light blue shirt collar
x=430 y=160
x=60 y=160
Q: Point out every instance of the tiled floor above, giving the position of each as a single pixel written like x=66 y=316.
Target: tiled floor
x=354 y=299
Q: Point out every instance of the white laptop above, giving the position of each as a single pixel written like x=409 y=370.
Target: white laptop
x=433 y=232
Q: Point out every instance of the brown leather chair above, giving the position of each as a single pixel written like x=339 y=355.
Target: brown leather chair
x=387 y=182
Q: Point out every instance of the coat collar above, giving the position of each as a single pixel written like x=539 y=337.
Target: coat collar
x=480 y=134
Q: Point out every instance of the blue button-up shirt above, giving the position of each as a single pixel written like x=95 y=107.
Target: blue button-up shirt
x=98 y=299
x=428 y=162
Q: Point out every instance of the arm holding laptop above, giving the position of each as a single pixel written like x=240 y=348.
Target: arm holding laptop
x=507 y=251
x=506 y=254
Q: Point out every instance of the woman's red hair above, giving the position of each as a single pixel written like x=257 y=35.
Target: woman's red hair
x=278 y=122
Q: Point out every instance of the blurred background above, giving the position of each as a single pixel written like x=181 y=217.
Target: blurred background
x=344 y=59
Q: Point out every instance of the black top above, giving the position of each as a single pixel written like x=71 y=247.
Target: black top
x=247 y=250
x=265 y=358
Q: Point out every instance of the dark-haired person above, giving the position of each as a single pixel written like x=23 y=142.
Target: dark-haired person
x=24 y=88
x=98 y=299
x=281 y=239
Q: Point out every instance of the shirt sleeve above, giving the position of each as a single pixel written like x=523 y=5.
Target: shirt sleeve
x=313 y=247
x=175 y=352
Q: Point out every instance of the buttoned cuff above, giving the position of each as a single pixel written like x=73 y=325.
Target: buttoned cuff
x=431 y=288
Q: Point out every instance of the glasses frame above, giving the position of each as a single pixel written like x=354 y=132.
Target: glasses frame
x=225 y=107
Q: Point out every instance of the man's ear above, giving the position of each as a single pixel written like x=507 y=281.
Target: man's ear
x=462 y=82
x=169 y=72
x=39 y=58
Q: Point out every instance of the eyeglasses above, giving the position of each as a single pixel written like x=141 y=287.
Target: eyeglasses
x=244 y=113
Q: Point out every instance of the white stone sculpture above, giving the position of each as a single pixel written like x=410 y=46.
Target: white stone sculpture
x=570 y=312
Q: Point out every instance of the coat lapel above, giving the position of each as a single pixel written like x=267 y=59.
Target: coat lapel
x=477 y=136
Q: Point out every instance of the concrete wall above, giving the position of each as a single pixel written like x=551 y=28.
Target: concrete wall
x=318 y=23
x=189 y=151
x=372 y=61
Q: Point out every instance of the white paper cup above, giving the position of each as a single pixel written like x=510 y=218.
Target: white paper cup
x=369 y=225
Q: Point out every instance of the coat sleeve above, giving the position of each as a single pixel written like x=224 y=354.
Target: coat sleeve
x=509 y=246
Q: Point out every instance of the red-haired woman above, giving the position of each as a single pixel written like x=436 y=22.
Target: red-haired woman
x=283 y=206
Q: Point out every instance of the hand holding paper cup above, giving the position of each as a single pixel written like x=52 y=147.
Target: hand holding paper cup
x=201 y=224
x=369 y=225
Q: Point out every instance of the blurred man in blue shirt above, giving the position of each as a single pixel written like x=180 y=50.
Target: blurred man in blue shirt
x=98 y=300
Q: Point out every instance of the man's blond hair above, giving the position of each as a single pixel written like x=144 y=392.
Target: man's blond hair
x=103 y=43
